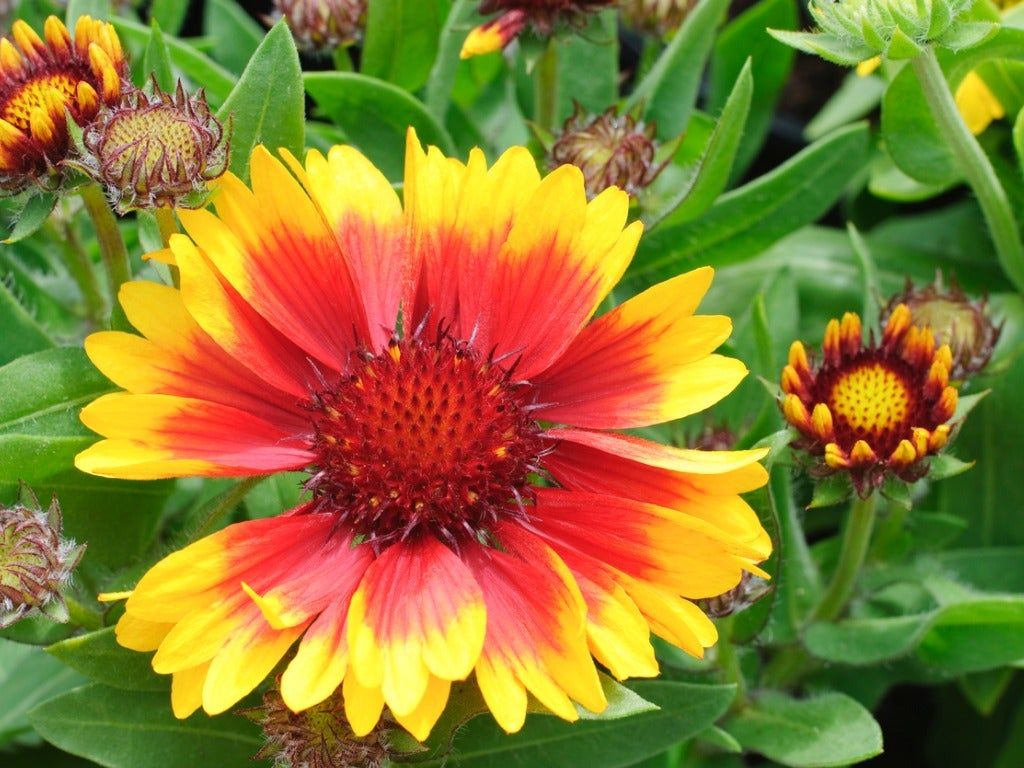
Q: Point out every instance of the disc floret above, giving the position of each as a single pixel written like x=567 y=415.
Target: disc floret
x=424 y=436
x=872 y=410
x=42 y=81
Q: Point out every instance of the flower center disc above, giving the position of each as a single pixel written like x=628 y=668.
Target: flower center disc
x=34 y=94
x=425 y=434
x=871 y=400
x=131 y=134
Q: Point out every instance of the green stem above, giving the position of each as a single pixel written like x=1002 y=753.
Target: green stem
x=112 y=250
x=224 y=503
x=889 y=530
x=80 y=266
x=729 y=661
x=975 y=166
x=165 y=221
x=546 y=88
x=83 y=616
x=851 y=557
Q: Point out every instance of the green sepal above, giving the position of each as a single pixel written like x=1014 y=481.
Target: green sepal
x=831 y=490
x=967 y=35
x=829 y=47
x=944 y=465
x=897 y=491
x=902 y=46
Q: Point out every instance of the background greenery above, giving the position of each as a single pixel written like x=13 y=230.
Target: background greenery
x=812 y=192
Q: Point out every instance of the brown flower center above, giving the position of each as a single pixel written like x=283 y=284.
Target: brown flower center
x=148 y=136
x=424 y=435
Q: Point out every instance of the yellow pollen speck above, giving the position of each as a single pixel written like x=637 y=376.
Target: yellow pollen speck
x=37 y=94
x=870 y=399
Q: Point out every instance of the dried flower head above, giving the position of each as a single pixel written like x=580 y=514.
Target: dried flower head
x=611 y=150
x=957 y=321
x=542 y=16
x=658 y=17
x=323 y=25
x=874 y=410
x=319 y=737
x=35 y=562
x=40 y=81
x=156 y=150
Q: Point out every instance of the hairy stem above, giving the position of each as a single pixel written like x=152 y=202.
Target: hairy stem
x=546 y=87
x=108 y=234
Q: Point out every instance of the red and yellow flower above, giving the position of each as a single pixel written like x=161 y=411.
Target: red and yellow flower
x=42 y=80
x=542 y=16
x=473 y=509
x=872 y=410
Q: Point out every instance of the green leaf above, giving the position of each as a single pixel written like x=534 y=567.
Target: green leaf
x=27 y=677
x=684 y=710
x=856 y=98
x=98 y=656
x=157 y=61
x=975 y=636
x=1018 y=138
x=869 y=277
x=827 y=730
x=446 y=64
x=22 y=333
x=276 y=494
x=261 y=114
x=669 y=90
x=985 y=689
x=97 y=9
x=169 y=14
x=711 y=174
x=588 y=67
x=744 y=222
x=746 y=37
x=402 y=39
x=944 y=465
x=375 y=116
x=35 y=213
x=867 y=641
x=119 y=731
x=236 y=36
x=830 y=490
x=215 y=80
x=39 y=428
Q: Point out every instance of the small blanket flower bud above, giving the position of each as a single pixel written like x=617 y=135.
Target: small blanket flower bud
x=156 y=150
x=319 y=737
x=42 y=80
x=542 y=16
x=323 y=25
x=750 y=589
x=657 y=17
x=612 y=150
x=965 y=326
x=854 y=31
x=871 y=409
x=35 y=562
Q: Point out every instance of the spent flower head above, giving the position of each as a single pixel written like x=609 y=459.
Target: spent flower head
x=323 y=25
x=156 y=149
x=35 y=562
x=853 y=31
x=956 y=320
x=610 y=149
x=874 y=410
x=542 y=16
x=42 y=81
x=657 y=17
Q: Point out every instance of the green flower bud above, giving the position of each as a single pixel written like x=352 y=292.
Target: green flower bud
x=852 y=31
x=35 y=562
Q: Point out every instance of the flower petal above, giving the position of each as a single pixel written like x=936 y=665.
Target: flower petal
x=645 y=362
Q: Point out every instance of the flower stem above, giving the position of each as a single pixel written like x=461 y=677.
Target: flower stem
x=546 y=87
x=82 y=615
x=851 y=557
x=974 y=164
x=168 y=226
x=80 y=267
x=729 y=661
x=112 y=250
x=222 y=504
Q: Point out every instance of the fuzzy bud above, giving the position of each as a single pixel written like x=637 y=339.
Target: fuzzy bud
x=35 y=562
x=657 y=17
x=739 y=598
x=323 y=25
x=957 y=321
x=318 y=737
x=156 y=150
x=611 y=150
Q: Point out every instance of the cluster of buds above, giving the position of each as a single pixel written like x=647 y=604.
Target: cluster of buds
x=656 y=17
x=957 y=321
x=874 y=410
x=35 y=562
x=852 y=31
x=323 y=25
x=543 y=17
x=610 y=149
x=319 y=737
x=156 y=149
x=43 y=80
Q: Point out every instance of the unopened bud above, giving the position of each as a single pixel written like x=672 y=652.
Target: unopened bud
x=541 y=16
x=750 y=589
x=324 y=25
x=35 y=562
x=157 y=150
x=658 y=17
x=611 y=150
